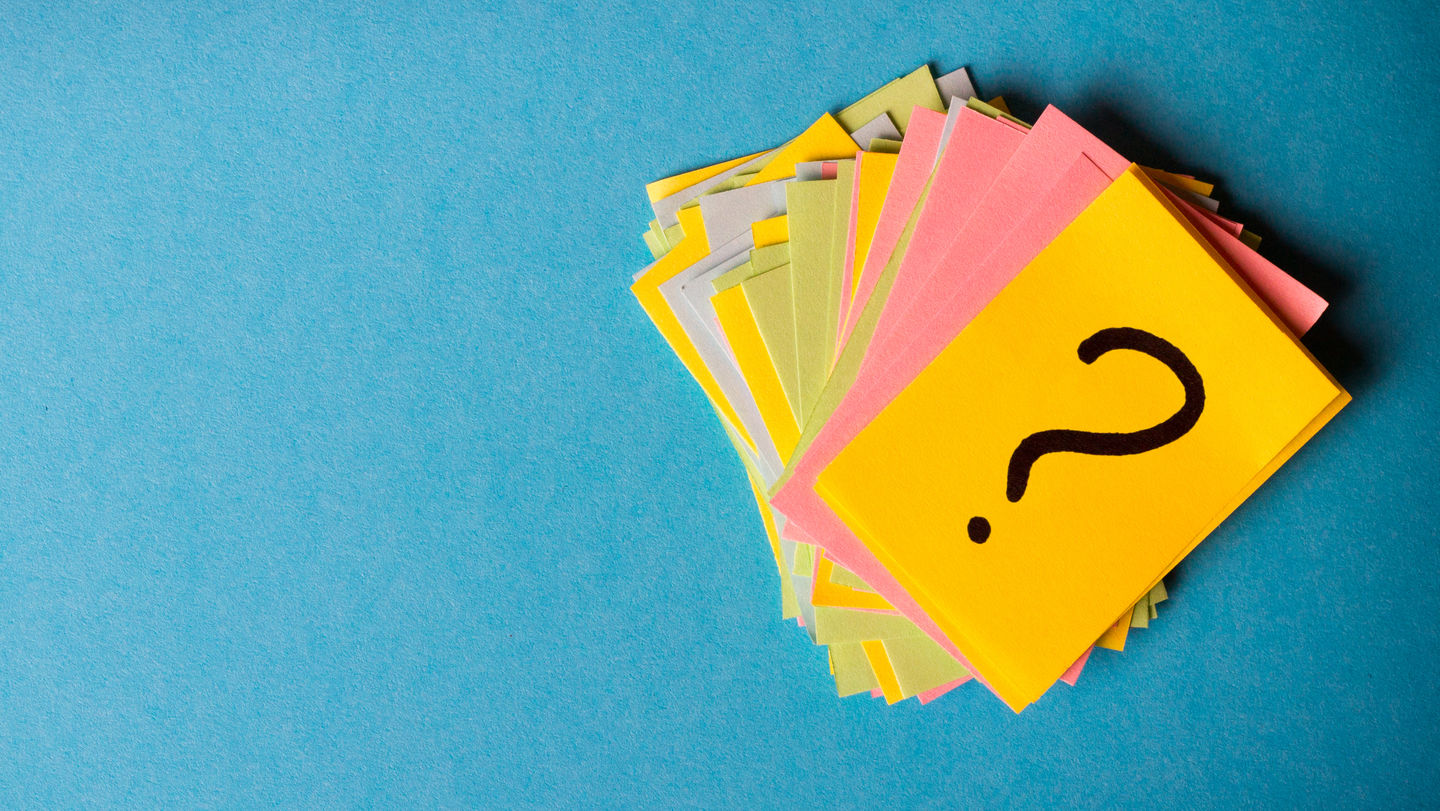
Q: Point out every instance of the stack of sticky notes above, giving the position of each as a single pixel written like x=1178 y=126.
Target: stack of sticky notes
x=989 y=379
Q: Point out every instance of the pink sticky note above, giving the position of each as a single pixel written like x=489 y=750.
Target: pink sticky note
x=980 y=149
x=976 y=273
x=1072 y=674
x=912 y=169
x=1053 y=144
x=1293 y=303
x=1296 y=305
x=935 y=692
x=1234 y=228
x=952 y=297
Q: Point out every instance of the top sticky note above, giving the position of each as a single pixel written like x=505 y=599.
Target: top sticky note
x=1109 y=407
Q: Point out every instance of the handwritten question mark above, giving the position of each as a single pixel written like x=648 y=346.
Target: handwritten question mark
x=1037 y=445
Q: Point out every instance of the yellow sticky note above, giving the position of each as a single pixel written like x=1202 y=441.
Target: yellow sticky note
x=1120 y=397
x=660 y=189
x=1114 y=636
x=884 y=672
x=823 y=140
x=732 y=310
x=689 y=250
x=827 y=592
x=771 y=232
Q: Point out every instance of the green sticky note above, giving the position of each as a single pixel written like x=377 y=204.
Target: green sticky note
x=920 y=664
x=853 y=673
x=811 y=207
x=898 y=99
x=884 y=145
x=652 y=241
x=1140 y=617
x=729 y=183
x=804 y=559
x=994 y=112
x=768 y=295
x=769 y=257
x=842 y=576
x=672 y=235
x=732 y=277
x=834 y=625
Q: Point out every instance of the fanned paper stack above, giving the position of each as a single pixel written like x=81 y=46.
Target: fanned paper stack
x=990 y=380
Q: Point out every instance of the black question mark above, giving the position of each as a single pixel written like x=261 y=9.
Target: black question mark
x=1102 y=444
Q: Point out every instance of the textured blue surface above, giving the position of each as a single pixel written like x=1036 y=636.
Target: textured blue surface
x=339 y=467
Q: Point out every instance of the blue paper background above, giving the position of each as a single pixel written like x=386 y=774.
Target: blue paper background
x=339 y=467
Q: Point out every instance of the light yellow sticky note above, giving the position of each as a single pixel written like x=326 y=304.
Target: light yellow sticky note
x=834 y=625
x=844 y=577
x=768 y=518
x=804 y=559
x=839 y=239
x=652 y=242
x=768 y=257
x=823 y=140
x=1172 y=394
x=789 y=606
